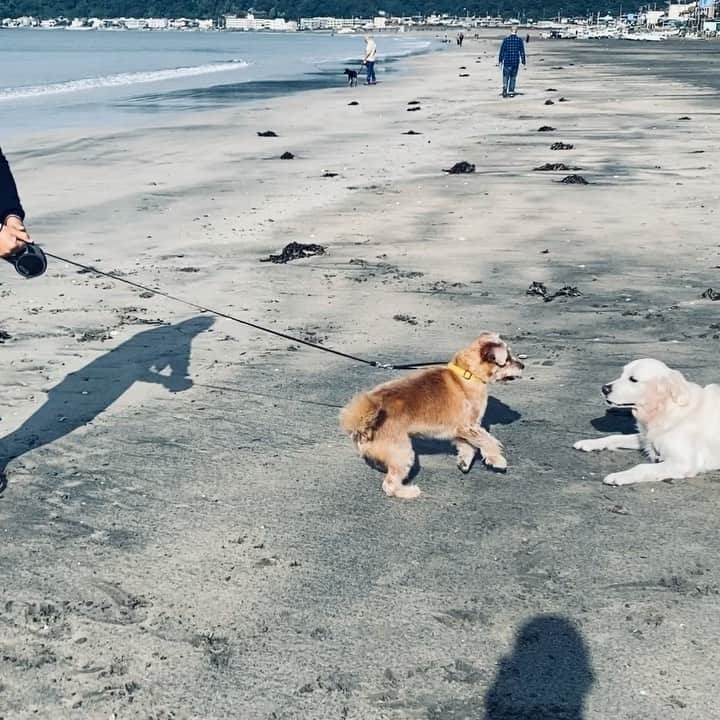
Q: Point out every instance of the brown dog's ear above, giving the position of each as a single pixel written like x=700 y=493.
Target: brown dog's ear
x=493 y=352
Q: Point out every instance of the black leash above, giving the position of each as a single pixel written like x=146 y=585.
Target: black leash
x=219 y=313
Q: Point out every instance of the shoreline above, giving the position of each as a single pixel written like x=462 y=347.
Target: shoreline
x=194 y=537
x=151 y=99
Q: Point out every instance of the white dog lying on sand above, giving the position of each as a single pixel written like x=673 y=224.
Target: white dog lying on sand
x=678 y=423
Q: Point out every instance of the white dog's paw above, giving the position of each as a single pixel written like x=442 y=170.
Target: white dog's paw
x=586 y=445
x=619 y=478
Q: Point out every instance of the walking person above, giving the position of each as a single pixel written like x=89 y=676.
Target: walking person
x=512 y=53
x=369 y=59
x=13 y=234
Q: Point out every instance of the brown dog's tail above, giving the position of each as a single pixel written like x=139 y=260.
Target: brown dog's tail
x=361 y=417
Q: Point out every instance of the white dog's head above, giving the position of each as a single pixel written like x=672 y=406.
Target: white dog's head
x=647 y=386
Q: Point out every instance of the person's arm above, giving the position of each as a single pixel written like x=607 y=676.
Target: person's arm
x=502 y=51
x=522 y=51
x=9 y=199
x=12 y=215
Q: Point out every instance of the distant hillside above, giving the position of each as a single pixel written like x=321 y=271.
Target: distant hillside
x=293 y=9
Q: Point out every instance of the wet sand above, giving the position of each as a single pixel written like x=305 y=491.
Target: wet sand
x=191 y=536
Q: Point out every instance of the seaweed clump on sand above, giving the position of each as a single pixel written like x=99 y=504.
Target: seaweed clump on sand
x=546 y=128
x=287 y=156
x=461 y=168
x=561 y=146
x=540 y=290
x=267 y=133
x=574 y=180
x=295 y=251
x=550 y=167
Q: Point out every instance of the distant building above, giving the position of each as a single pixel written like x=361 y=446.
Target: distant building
x=332 y=23
x=653 y=17
x=252 y=23
x=680 y=11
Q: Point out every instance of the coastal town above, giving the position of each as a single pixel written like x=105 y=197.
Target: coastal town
x=691 y=20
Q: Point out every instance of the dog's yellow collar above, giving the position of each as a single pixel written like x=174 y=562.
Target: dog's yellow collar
x=464 y=374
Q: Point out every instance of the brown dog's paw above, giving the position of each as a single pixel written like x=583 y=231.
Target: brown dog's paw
x=405 y=492
x=496 y=462
x=464 y=465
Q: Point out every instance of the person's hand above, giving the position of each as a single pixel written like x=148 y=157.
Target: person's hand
x=13 y=236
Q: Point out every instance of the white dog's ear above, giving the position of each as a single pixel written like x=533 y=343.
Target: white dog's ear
x=669 y=388
x=678 y=388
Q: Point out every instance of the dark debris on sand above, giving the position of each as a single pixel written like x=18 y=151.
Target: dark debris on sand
x=91 y=335
x=412 y=132
x=4 y=336
x=461 y=168
x=464 y=75
x=550 y=89
x=561 y=146
x=267 y=133
x=562 y=99
x=546 y=128
x=295 y=251
x=287 y=156
x=684 y=117
x=711 y=294
x=330 y=174
x=414 y=108
x=354 y=102
x=539 y=289
x=549 y=167
x=574 y=180
x=549 y=102
x=414 y=102
x=409 y=319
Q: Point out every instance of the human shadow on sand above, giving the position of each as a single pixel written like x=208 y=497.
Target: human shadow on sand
x=547 y=676
x=160 y=355
x=497 y=413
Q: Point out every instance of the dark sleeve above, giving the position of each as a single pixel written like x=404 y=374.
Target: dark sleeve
x=9 y=200
x=522 y=51
x=502 y=50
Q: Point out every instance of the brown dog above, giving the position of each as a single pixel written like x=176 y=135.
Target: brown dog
x=447 y=403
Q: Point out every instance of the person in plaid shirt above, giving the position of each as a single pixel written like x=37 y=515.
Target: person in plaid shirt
x=512 y=53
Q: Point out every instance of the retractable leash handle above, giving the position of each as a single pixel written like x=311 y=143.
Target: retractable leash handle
x=29 y=261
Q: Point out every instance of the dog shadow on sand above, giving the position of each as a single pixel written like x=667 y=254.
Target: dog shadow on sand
x=615 y=421
x=160 y=355
x=497 y=413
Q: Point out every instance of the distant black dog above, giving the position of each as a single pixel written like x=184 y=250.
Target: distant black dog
x=351 y=76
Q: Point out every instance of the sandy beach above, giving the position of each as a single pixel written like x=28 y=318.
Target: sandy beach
x=191 y=536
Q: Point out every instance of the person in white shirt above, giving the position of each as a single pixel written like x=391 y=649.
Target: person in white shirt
x=369 y=60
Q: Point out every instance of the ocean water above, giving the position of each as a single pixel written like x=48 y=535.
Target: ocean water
x=60 y=79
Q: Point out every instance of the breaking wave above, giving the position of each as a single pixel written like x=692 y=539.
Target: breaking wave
x=118 y=80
